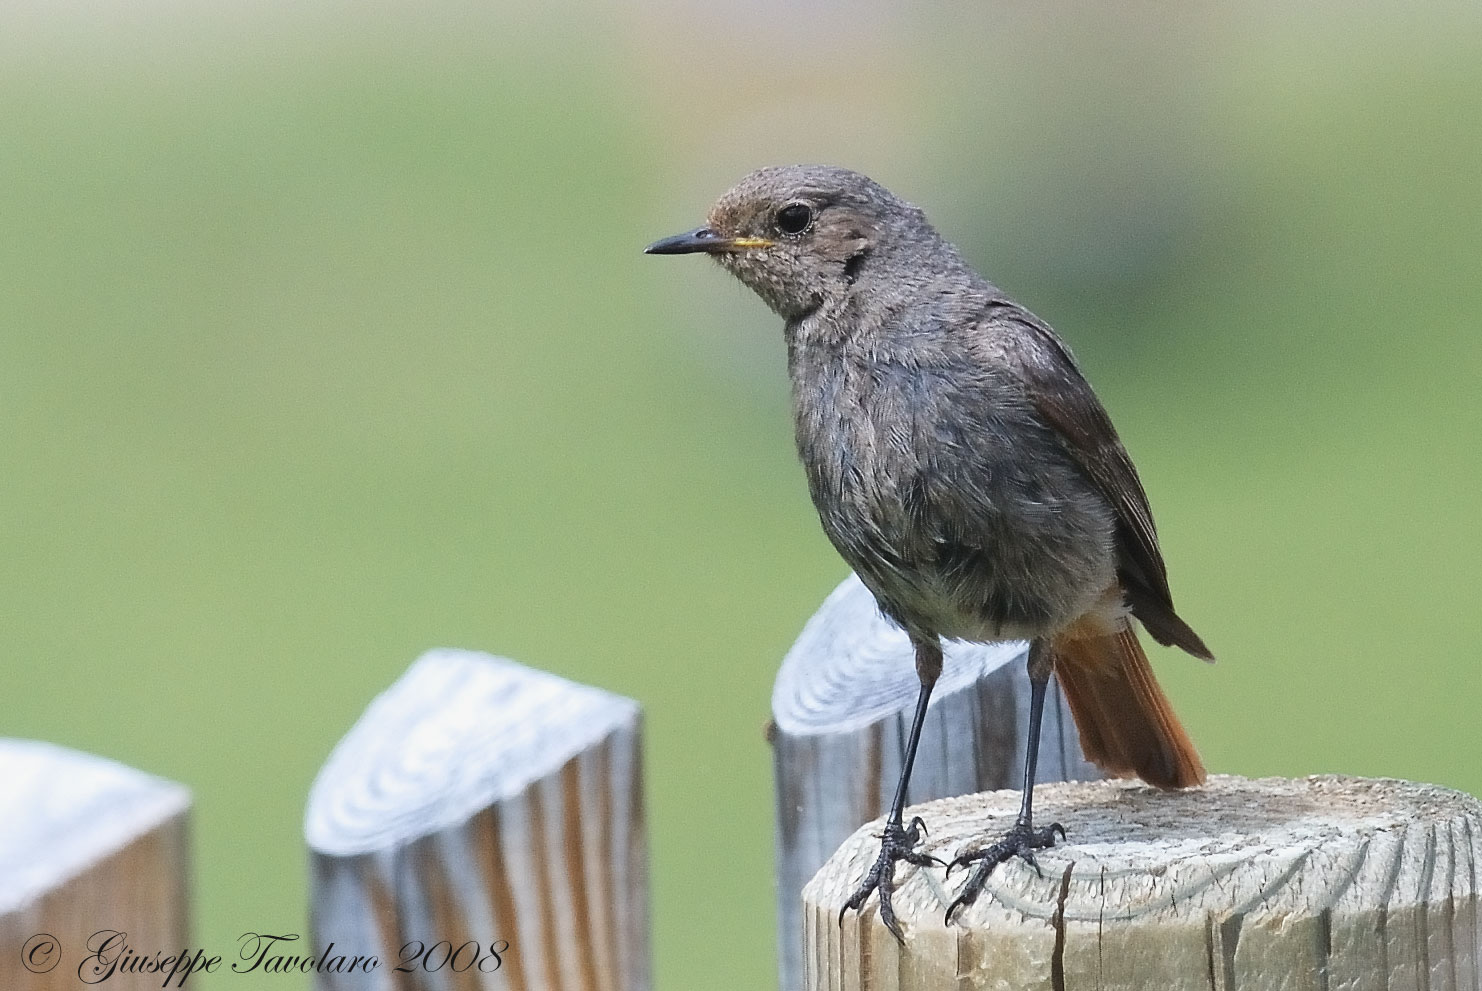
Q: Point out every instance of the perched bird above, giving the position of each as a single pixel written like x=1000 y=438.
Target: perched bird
x=965 y=470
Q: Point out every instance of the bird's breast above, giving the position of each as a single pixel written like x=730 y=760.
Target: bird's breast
x=958 y=512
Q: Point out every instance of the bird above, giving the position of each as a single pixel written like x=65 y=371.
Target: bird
x=962 y=465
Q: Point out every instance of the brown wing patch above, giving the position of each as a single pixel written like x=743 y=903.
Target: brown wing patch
x=1065 y=399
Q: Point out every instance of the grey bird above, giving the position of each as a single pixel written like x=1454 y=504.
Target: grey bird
x=963 y=467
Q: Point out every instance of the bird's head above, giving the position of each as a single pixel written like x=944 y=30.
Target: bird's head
x=801 y=236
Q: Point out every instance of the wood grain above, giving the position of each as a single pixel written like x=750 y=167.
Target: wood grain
x=1319 y=883
x=841 y=709
x=477 y=799
x=88 y=845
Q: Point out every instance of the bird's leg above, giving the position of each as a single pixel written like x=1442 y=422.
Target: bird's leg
x=1023 y=839
x=898 y=842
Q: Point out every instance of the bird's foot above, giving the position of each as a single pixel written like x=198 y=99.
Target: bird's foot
x=1021 y=842
x=896 y=843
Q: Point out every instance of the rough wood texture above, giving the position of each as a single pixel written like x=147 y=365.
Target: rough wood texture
x=1322 y=883
x=480 y=800
x=86 y=845
x=842 y=707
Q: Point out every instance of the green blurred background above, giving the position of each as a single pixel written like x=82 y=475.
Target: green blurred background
x=325 y=338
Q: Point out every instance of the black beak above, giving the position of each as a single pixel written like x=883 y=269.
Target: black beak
x=703 y=239
x=699 y=239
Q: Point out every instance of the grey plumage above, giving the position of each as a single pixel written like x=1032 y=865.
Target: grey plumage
x=962 y=466
x=924 y=404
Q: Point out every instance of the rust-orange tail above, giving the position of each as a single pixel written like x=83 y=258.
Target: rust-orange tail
x=1127 y=726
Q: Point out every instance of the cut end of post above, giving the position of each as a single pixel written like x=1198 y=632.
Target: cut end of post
x=87 y=845
x=1243 y=883
x=458 y=732
x=62 y=811
x=485 y=804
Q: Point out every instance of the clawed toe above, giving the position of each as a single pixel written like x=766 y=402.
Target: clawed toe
x=1021 y=842
x=897 y=843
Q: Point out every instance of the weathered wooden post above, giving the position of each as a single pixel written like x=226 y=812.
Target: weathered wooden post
x=88 y=848
x=842 y=705
x=482 y=826
x=1321 y=883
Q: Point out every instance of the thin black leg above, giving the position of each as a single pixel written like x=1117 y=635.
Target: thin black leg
x=1023 y=839
x=1037 y=686
x=898 y=804
x=898 y=842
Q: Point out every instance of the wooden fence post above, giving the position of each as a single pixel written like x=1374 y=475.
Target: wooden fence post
x=841 y=708
x=1320 y=883
x=478 y=801
x=87 y=846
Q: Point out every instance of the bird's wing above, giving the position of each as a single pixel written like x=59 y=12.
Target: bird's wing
x=1064 y=398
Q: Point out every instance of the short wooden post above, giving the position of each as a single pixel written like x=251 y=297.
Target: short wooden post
x=841 y=708
x=1320 y=883
x=88 y=848
x=482 y=826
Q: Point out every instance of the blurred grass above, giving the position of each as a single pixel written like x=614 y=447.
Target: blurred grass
x=309 y=371
x=318 y=349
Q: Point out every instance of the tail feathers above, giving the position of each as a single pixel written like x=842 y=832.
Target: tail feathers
x=1164 y=625
x=1127 y=726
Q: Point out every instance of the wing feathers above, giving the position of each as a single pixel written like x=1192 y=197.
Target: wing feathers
x=1066 y=401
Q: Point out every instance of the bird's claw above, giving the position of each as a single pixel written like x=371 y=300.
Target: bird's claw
x=897 y=843
x=1021 y=842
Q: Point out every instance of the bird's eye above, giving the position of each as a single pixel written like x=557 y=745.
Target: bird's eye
x=794 y=218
